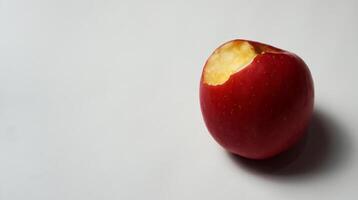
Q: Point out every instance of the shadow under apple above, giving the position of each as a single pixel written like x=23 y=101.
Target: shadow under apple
x=324 y=148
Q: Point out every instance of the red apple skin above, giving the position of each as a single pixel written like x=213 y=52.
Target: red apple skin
x=263 y=109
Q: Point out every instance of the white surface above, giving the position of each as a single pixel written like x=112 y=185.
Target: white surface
x=99 y=99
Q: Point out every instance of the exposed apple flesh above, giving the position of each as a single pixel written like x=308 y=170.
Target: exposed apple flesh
x=226 y=60
x=256 y=99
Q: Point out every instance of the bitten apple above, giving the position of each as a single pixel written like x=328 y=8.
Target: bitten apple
x=256 y=99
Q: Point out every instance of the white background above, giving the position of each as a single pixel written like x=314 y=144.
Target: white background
x=99 y=99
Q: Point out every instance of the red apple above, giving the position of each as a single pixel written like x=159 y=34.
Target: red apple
x=256 y=100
